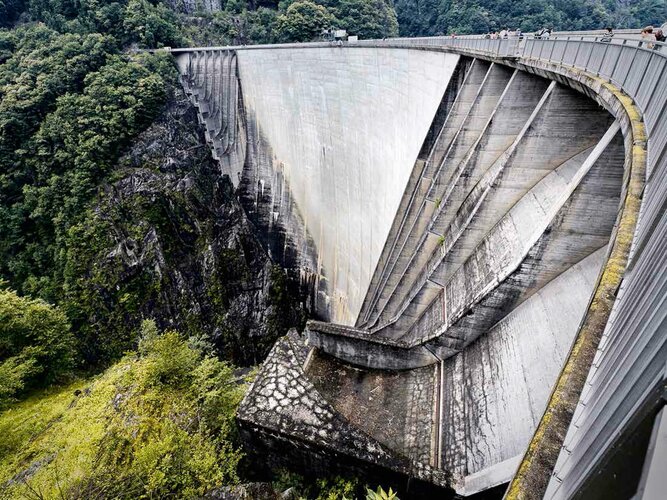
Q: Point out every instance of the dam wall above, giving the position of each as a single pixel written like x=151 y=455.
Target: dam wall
x=335 y=135
x=345 y=128
x=464 y=330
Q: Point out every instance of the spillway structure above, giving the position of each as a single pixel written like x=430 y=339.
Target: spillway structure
x=483 y=227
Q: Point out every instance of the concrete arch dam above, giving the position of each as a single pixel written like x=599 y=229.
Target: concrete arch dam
x=456 y=212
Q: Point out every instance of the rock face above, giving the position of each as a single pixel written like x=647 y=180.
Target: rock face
x=180 y=249
x=195 y=6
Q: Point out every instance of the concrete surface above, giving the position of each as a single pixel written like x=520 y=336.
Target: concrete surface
x=345 y=128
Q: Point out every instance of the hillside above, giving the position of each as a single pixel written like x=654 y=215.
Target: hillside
x=436 y=17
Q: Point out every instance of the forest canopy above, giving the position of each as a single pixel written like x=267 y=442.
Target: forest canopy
x=443 y=17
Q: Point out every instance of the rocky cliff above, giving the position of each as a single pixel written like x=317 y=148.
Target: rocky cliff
x=169 y=240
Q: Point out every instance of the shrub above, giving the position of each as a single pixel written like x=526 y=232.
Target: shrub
x=157 y=424
x=36 y=345
x=380 y=494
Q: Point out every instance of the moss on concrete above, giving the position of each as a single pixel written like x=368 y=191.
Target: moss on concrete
x=534 y=473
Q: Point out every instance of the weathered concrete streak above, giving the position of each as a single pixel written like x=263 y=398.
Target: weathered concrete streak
x=507 y=374
x=268 y=201
x=456 y=141
x=395 y=408
x=345 y=128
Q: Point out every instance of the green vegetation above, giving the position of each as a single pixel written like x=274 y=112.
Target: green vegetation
x=303 y=21
x=36 y=345
x=74 y=97
x=332 y=488
x=380 y=494
x=158 y=423
x=69 y=107
x=367 y=18
x=442 y=17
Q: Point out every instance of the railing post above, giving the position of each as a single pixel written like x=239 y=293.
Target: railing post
x=576 y=55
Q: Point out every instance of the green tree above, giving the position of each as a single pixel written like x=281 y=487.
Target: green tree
x=9 y=11
x=150 y=25
x=303 y=22
x=367 y=18
x=36 y=345
x=61 y=165
x=434 y=17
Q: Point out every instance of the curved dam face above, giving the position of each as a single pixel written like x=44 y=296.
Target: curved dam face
x=453 y=215
x=332 y=137
x=344 y=127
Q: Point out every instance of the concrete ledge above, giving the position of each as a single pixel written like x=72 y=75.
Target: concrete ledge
x=360 y=348
x=488 y=478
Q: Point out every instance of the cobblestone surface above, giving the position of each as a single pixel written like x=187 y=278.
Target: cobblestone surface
x=284 y=401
